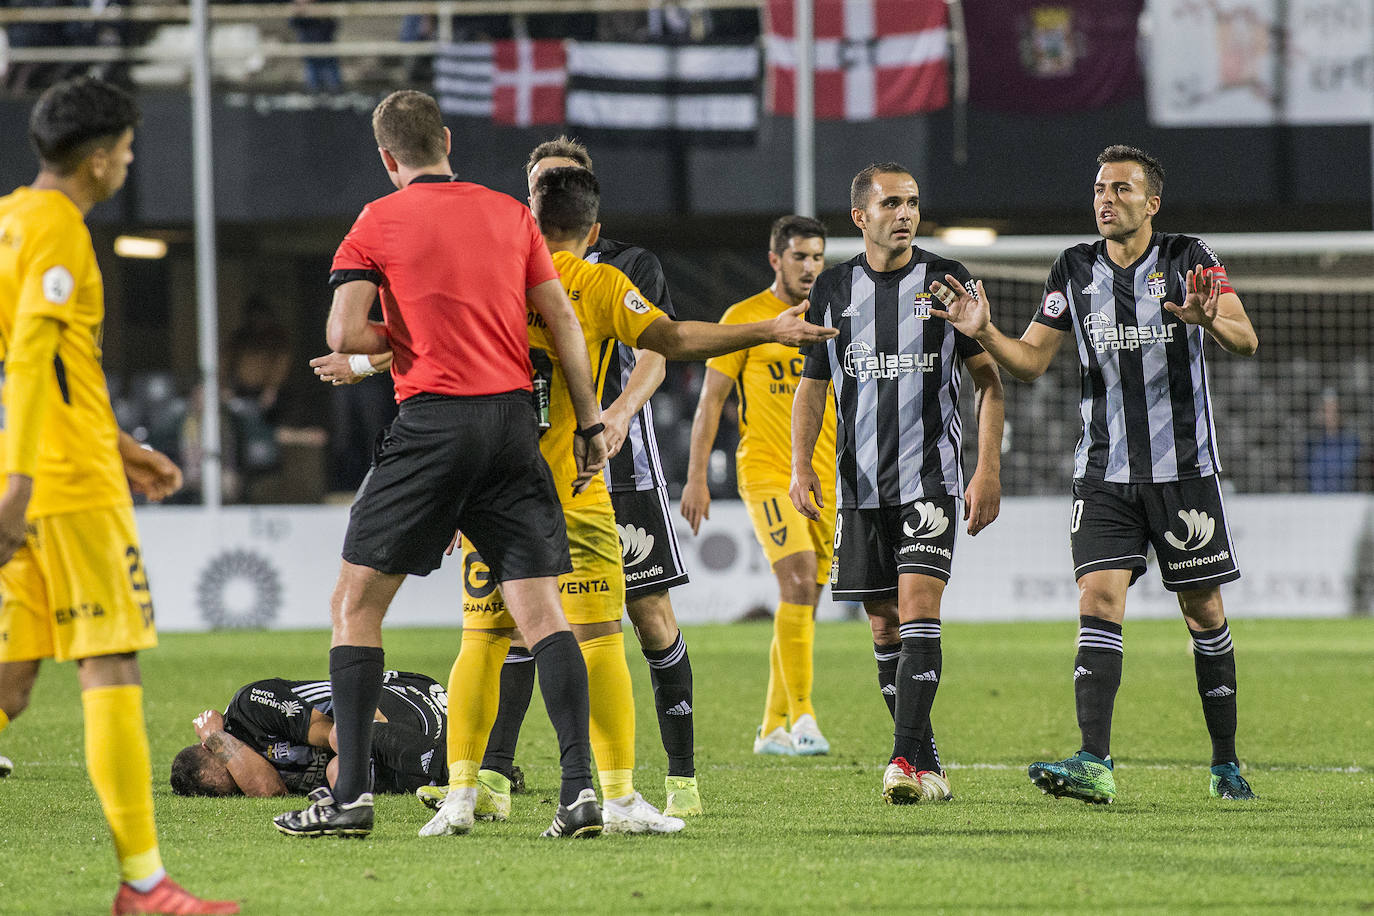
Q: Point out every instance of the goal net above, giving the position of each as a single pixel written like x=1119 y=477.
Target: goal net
x=1294 y=418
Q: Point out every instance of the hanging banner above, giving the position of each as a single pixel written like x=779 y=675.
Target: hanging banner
x=1216 y=63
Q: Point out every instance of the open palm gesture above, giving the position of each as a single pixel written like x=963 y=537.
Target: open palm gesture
x=969 y=314
x=1200 y=305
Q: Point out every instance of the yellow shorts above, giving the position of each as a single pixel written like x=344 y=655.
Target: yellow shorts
x=594 y=592
x=782 y=530
x=76 y=589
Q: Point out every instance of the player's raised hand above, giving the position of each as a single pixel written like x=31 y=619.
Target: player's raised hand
x=1201 y=303
x=969 y=314
x=792 y=329
x=982 y=501
x=696 y=503
x=805 y=488
x=590 y=454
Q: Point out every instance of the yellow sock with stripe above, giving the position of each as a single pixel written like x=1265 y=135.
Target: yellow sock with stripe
x=474 y=695
x=121 y=770
x=775 y=703
x=795 y=629
x=612 y=713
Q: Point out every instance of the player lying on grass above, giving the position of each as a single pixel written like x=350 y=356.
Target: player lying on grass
x=277 y=737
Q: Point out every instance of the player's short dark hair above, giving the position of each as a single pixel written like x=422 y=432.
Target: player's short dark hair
x=191 y=773
x=77 y=116
x=862 y=185
x=566 y=202
x=560 y=147
x=787 y=228
x=1154 y=172
x=408 y=125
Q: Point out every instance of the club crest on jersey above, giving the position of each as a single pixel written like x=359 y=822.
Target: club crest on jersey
x=1104 y=335
x=1054 y=305
x=921 y=306
x=1154 y=284
x=860 y=362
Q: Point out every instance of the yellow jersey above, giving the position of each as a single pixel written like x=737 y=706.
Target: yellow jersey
x=48 y=270
x=766 y=379
x=609 y=307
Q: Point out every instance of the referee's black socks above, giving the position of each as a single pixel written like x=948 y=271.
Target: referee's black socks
x=1214 y=661
x=355 y=682
x=563 y=683
x=517 y=686
x=670 y=671
x=1096 y=677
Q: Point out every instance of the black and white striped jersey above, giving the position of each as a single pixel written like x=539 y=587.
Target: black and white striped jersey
x=636 y=466
x=896 y=372
x=1146 y=404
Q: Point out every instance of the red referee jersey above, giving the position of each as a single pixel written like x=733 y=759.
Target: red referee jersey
x=453 y=261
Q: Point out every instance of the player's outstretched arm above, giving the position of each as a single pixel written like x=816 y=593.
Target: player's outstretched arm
x=688 y=340
x=648 y=373
x=696 y=494
x=1220 y=314
x=551 y=303
x=808 y=412
x=150 y=472
x=983 y=496
x=349 y=368
x=971 y=315
x=252 y=772
x=348 y=329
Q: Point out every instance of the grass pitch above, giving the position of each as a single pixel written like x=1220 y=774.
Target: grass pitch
x=783 y=834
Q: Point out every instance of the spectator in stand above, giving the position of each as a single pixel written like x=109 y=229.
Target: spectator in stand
x=321 y=73
x=1333 y=450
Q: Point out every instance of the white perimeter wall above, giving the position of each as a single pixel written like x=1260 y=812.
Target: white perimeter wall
x=275 y=566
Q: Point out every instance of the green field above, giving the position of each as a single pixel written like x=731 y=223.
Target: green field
x=784 y=834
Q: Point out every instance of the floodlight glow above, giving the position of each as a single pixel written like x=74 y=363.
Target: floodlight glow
x=134 y=246
x=972 y=236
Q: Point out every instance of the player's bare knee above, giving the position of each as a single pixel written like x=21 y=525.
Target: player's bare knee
x=587 y=631
x=16 y=686
x=653 y=619
x=1203 y=608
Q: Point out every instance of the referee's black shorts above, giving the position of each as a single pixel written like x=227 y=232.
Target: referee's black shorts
x=469 y=464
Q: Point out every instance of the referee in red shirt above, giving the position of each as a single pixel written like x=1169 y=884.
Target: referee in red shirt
x=455 y=264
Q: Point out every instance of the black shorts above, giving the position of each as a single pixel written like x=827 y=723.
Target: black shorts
x=648 y=543
x=410 y=747
x=1113 y=523
x=875 y=546
x=451 y=464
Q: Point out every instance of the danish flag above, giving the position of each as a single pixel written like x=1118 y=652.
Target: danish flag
x=873 y=58
x=529 y=81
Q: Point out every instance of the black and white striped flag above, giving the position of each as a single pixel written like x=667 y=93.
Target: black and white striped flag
x=463 y=77
x=655 y=92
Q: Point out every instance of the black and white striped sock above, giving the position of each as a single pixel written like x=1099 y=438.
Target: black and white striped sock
x=670 y=671
x=918 y=679
x=886 y=657
x=1214 y=662
x=1096 y=677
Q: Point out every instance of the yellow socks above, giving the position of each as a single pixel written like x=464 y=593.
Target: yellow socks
x=474 y=694
x=775 y=704
x=612 y=713
x=794 y=628
x=120 y=766
x=4 y=720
